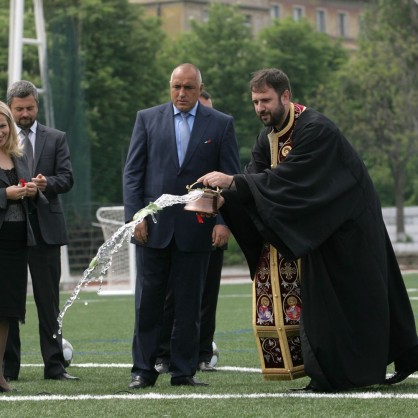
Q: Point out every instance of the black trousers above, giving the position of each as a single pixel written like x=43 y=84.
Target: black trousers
x=208 y=312
x=45 y=270
x=186 y=272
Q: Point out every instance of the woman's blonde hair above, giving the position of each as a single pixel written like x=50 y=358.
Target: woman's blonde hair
x=12 y=145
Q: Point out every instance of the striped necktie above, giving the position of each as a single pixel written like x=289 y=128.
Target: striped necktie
x=28 y=149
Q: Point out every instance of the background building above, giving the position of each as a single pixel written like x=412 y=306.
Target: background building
x=337 y=18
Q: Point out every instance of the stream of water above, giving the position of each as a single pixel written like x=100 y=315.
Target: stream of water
x=103 y=259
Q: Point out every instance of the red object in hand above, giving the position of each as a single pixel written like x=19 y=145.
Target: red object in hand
x=22 y=182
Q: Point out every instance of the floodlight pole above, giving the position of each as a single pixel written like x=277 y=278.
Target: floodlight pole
x=16 y=42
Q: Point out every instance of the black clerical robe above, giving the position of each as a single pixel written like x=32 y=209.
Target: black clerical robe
x=319 y=204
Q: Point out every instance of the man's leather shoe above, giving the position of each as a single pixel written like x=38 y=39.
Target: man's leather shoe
x=305 y=389
x=398 y=377
x=63 y=376
x=187 y=381
x=310 y=388
x=138 y=382
x=162 y=368
x=205 y=366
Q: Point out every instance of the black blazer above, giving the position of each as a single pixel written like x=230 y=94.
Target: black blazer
x=22 y=171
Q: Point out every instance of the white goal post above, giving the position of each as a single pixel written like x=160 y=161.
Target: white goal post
x=121 y=276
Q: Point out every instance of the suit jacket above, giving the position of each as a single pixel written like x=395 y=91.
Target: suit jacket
x=152 y=169
x=52 y=159
x=21 y=166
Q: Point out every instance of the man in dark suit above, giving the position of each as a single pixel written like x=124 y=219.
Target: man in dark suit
x=177 y=247
x=208 y=308
x=50 y=165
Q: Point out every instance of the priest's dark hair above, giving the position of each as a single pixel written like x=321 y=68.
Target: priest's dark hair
x=270 y=77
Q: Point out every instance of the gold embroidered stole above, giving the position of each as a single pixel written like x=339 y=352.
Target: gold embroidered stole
x=276 y=290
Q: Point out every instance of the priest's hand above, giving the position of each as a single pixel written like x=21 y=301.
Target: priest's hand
x=217 y=179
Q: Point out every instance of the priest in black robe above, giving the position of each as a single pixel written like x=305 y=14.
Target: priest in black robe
x=319 y=205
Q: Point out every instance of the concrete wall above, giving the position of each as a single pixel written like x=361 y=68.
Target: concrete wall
x=407 y=253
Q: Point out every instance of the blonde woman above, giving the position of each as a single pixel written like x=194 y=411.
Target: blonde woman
x=17 y=195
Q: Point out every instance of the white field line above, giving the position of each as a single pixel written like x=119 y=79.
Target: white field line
x=160 y=396
x=125 y=395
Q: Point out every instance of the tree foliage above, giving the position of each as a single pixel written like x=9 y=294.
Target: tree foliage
x=4 y=46
x=107 y=52
x=375 y=97
x=306 y=56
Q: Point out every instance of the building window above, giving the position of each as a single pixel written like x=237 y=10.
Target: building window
x=342 y=24
x=361 y=23
x=320 y=21
x=297 y=13
x=248 y=20
x=275 y=11
x=205 y=15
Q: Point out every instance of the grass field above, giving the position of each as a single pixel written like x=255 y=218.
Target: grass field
x=100 y=329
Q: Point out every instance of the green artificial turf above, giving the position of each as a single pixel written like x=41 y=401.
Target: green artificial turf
x=100 y=330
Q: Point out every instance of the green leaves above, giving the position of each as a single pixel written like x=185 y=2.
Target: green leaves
x=150 y=209
x=306 y=56
x=374 y=98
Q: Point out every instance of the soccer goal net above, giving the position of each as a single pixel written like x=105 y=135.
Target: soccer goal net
x=120 y=278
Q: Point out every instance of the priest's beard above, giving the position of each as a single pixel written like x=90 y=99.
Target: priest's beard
x=273 y=118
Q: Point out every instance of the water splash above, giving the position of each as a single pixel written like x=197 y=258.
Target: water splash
x=103 y=259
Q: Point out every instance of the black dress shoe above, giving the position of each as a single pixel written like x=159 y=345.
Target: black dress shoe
x=63 y=376
x=306 y=389
x=10 y=378
x=311 y=387
x=398 y=376
x=138 y=382
x=187 y=381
